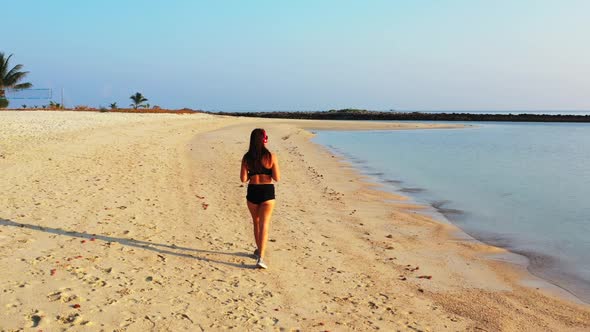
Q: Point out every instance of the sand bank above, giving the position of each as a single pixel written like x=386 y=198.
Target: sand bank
x=135 y=222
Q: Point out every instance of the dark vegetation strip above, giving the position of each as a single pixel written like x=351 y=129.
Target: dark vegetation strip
x=355 y=114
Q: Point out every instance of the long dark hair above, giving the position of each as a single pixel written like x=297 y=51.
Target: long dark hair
x=257 y=151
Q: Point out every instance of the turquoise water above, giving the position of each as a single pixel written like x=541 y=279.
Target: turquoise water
x=521 y=186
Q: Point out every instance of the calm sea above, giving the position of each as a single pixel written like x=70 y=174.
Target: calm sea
x=521 y=186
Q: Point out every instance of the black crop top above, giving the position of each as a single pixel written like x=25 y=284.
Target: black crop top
x=265 y=171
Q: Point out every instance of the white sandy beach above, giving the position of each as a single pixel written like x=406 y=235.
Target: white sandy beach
x=134 y=222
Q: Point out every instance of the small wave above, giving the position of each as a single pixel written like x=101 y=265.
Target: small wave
x=377 y=174
x=389 y=181
x=412 y=190
x=547 y=267
x=447 y=212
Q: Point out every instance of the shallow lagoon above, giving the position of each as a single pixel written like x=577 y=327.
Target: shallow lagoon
x=521 y=186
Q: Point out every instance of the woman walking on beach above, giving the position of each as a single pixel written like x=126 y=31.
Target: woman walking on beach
x=259 y=168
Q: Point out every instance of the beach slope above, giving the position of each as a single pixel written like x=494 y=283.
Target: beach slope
x=138 y=221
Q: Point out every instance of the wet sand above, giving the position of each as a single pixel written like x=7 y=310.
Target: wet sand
x=135 y=222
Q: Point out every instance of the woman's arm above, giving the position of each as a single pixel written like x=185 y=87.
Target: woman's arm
x=244 y=172
x=276 y=171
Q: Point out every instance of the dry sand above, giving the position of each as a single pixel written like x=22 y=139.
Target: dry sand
x=138 y=222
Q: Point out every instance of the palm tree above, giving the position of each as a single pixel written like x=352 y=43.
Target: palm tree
x=113 y=106
x=138 y=99
x=10 y=78
x=54 y=105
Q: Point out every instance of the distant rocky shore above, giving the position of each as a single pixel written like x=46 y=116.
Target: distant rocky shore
x=357 y=114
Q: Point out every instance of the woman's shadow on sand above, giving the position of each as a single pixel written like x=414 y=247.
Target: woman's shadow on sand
x=164 y=249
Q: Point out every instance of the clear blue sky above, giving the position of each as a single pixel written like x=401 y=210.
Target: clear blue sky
x=267 y=55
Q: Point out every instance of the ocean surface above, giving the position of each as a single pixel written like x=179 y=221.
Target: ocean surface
x=551 y=112
x=520 y=186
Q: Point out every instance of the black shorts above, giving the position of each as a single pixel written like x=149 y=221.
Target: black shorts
x=259 y=193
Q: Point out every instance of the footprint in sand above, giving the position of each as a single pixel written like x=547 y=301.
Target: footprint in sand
x=94 y=281
x=13 y=304
x=80 y=274
x=52 y=297
x=69 y=318
x=62 y=296
x=22 y=284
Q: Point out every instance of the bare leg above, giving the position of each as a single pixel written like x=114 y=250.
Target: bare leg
x=264 y=213
x=255 y=221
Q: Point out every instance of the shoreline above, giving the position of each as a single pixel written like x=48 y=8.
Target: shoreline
x=522 y=261
x=528 y=277
x=533 y=273
x=132 y=222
